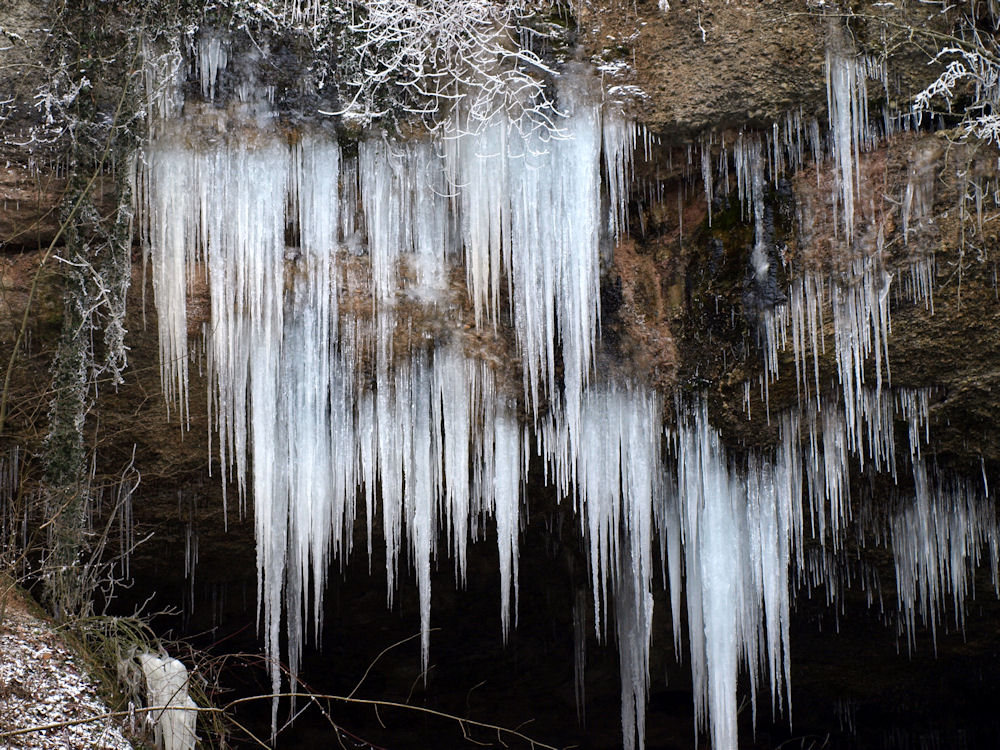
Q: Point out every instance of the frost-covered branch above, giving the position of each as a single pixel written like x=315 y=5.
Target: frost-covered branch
x=424 y=58
x=973 y=70
x=439 y=54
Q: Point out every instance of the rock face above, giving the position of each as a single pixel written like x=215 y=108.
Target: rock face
x=715 y=66
x=687 y=297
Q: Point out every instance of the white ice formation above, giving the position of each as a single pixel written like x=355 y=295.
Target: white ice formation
x=847 y=104
x=614 y=474
x=736 y=528
x=167 y=686
x=294 y=355
x=335 y=383
x=938 y=540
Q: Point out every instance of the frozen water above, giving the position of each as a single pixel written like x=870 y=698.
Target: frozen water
x=529 y=212
x=847 y=74
x=938 y=540
x=433 y=433
x=738 y=527
x=166 y=685
x=580 y=654
x=213 y=56
x=314 y=263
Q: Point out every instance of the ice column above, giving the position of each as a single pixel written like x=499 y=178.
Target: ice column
x=166 y=685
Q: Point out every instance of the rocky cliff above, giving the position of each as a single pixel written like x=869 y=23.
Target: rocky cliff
x=732 y=284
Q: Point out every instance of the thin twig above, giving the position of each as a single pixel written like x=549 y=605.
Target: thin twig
x=506 y=731
x=382 y=653
x=226 y=711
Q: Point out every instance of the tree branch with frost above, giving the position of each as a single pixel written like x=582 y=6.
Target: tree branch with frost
x=443 y=54
x=983 y=73
x=956 y=32
x=422 y=58
x=970 y=55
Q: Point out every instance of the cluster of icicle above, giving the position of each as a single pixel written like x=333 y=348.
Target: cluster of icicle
x=316 y=411
x=731 y=531
x=315 y=399
x=937 y=543
x=794 y=139
x=736 y=531
x=855 y=291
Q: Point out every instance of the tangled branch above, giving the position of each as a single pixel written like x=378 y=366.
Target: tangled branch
x=433 y=56
x=975 y=62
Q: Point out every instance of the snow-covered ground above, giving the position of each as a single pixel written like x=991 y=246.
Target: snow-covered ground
x=42 y=683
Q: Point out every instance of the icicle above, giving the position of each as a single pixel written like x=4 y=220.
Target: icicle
x=212 y=60
x=712 y=550
x=506 y=471
x=738 y=532
x=706 y=174
x=861 y=328
x=617 y=475
x=847 y=105
x=937 y=542
x=860 y=305
x=420 y=468
x=634 y=619
x=918 y=199
x=529 y=207
x=619 y=141
x=172 y=213
x=805 y=313
x=405 y=205
x=321 y=404
x=454 y=380
x=914 y=405
x=668 y=526
x=162 y=79
x=580 y=654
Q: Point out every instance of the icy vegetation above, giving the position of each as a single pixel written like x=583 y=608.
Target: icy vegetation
x=166 y=685
x=343 y=374
x=971 y=60
x=439 y=51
